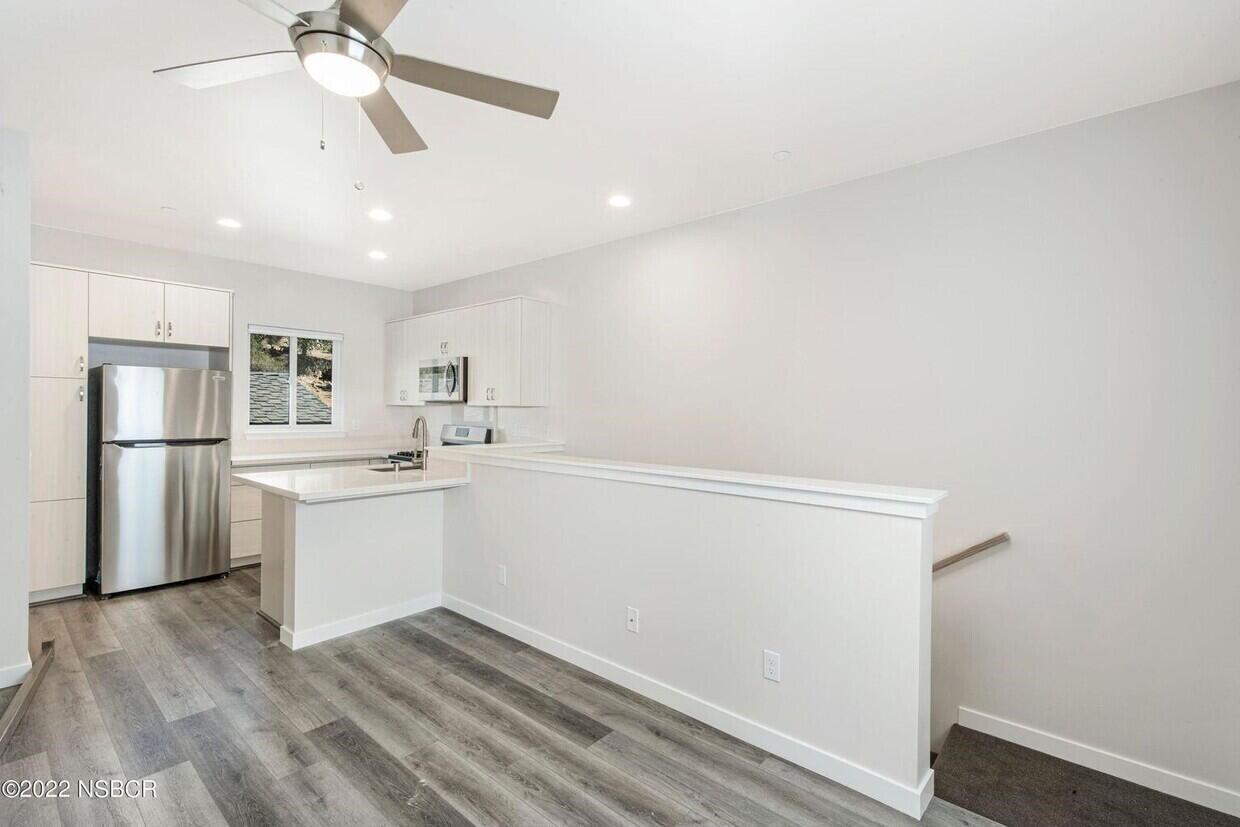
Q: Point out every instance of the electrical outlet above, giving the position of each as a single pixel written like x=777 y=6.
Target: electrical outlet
x=770 y=665
x=502 y=575
x=631 y=621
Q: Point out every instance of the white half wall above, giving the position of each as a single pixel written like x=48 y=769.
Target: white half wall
x=1047 y=327
x=14 y=404
x=843 y=597
x=272 y=297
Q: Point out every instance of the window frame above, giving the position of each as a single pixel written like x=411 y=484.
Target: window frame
x=336 y=427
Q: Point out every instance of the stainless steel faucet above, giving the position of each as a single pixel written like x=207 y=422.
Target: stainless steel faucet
x=419 y=438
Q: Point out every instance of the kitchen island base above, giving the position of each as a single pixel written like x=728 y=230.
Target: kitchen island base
x=331 y=568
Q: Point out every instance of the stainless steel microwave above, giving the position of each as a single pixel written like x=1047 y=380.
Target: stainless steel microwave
x=442 y=380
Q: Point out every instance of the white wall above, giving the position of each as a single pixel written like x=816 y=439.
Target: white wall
x=14 y=403
x=717 y=577
x=1048 y=328
x=268 y=296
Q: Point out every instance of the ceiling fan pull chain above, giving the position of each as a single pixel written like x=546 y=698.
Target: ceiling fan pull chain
x=322 y=118
x=358 y=183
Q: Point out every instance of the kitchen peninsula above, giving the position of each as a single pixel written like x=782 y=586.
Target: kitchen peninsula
x=348 y=547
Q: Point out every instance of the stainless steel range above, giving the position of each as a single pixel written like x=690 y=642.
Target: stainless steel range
x=448 y=435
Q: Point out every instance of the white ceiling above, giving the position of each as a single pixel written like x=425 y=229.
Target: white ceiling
x=679 y=104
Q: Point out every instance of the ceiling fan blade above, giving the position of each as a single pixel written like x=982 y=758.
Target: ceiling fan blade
x=230 y=69
x=507 y=94
x=274 y=11
x=370 y=17
x=394 y=128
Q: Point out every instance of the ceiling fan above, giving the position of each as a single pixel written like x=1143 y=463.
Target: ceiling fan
x=343 y=49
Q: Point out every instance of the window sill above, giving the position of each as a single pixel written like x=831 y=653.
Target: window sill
x=295 y=434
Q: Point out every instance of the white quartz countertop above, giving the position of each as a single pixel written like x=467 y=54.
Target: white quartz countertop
x=294 y=457
x=314 y=485
x=546 y=457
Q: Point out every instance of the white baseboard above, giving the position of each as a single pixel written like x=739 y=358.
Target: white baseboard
x=244 y=562
x=15 y=674
x=327 y=631
x=58 y=593
x=1147 y=775
x=911 y=801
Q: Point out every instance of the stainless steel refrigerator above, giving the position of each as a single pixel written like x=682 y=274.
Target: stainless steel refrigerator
x=158 y=498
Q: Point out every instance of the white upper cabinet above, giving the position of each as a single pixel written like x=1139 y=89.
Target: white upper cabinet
x=397 y=388
x=506 y=342
x=197 y=316
x=495 y=370
x=124 y=308
x=140 y=310
x=58 y=313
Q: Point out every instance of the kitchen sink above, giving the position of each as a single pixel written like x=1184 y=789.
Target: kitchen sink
x=388 y=469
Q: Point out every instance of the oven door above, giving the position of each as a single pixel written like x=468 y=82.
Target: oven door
x=442 y=380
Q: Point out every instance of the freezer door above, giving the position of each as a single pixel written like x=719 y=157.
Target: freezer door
x=138 y=403
x=164 y=514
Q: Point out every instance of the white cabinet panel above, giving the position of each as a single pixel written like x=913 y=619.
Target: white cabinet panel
x=59 y=303
x=57 y=544
x=396 y=390
x=57 y=439
x=197 y=316
x=500 y=353
x=246 y=539
x=124 y=308
x=247 y=503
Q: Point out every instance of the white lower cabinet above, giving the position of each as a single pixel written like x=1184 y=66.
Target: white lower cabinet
x=57 y=439
x=247 y=503
x=246 y=541
x=57 y=544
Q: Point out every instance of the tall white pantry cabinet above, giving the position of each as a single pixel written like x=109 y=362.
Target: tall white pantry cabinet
x=68 y=308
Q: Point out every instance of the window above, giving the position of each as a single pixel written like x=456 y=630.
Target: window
x=292 y=376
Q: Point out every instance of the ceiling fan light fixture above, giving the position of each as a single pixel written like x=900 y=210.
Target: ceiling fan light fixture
x=340 y=64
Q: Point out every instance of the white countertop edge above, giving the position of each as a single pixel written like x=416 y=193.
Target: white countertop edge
x=883 y=499
x=296 y=457
x=258 y=480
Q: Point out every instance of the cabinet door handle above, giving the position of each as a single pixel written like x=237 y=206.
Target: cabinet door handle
x=81 y=364
x=81 y=393
x=169 y=328
x=157 y=333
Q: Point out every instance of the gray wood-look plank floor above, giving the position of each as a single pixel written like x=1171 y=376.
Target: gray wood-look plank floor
x=429 y=720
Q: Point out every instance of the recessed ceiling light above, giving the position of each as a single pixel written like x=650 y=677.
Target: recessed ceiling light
x=230 y=223
x=379 y=214
x=378 y=255
x=620 y=200
x=781 y=155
